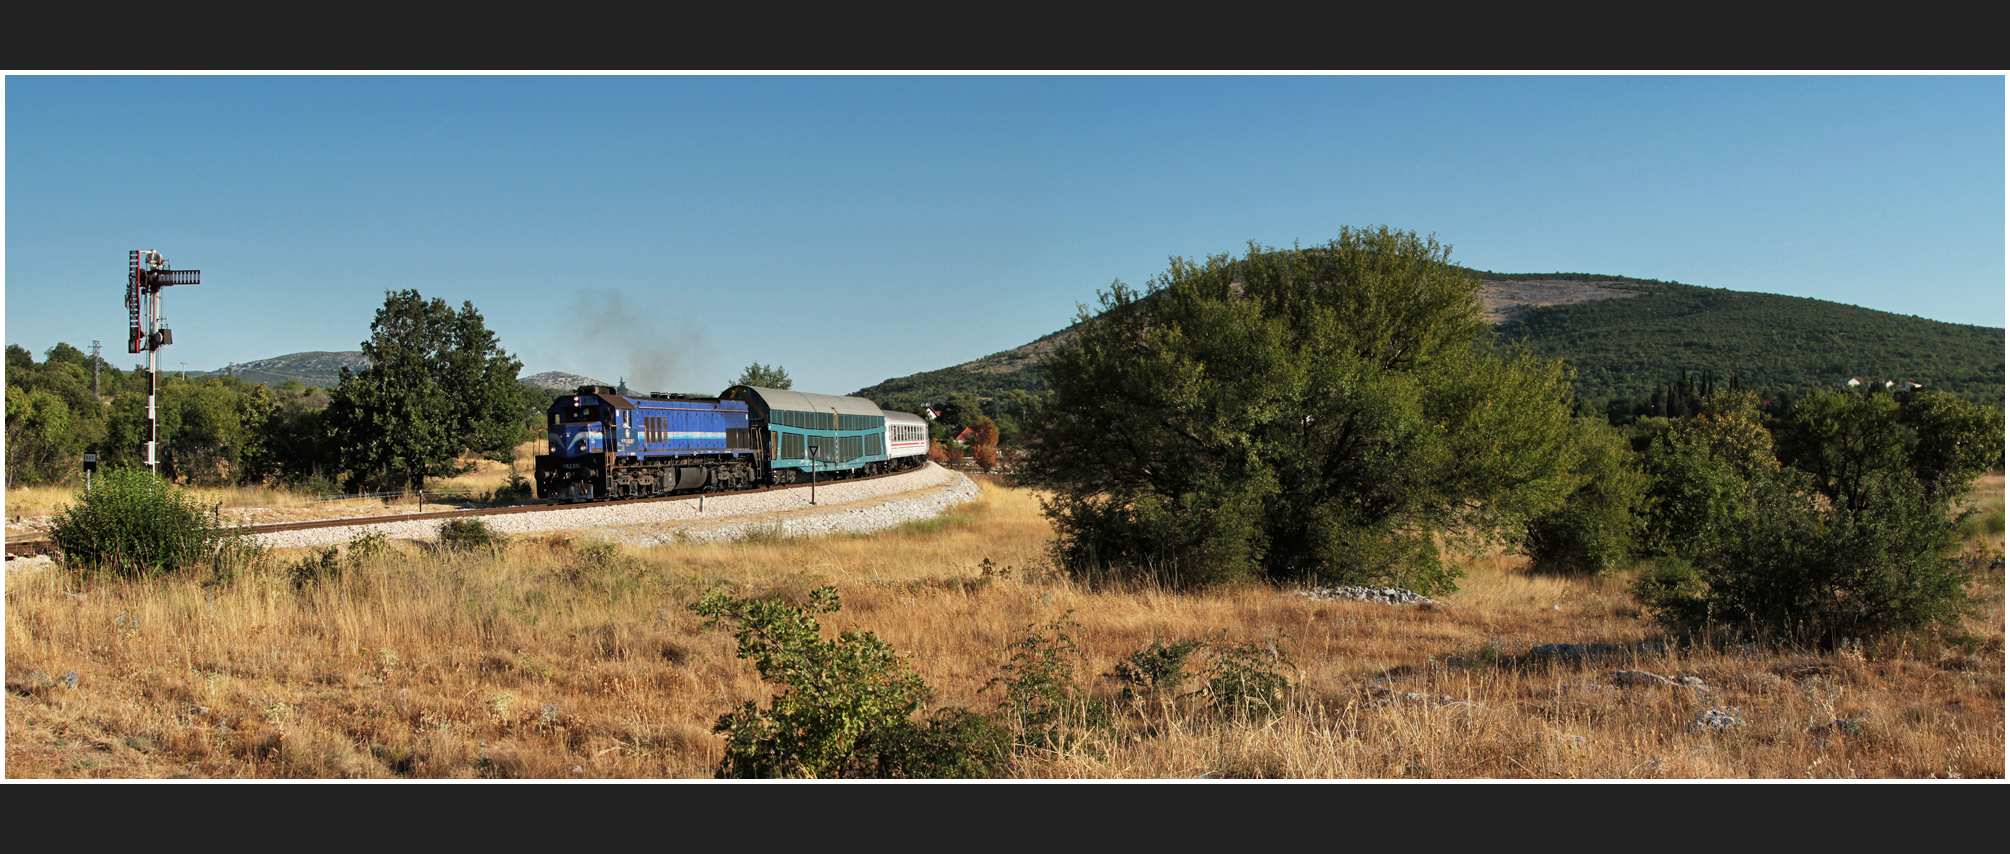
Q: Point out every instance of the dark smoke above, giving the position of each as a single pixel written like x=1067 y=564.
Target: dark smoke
x=613 y=337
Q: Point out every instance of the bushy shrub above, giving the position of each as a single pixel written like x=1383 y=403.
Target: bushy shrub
x=324 y=564
x=132 y=523
x=1671 y=591
x=846 y=707
x=1799 y=569
x=1248 y=681
x=1157 y=670
x=1243 y=680
x=470 y=534
x=1849 y=539
x=1042 y=704
x=517 y=490
x=365 y=546
x=1595 y=529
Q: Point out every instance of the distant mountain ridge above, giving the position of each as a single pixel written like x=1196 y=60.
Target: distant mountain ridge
x=324 y=369
x=313 y=368
x=559 y=381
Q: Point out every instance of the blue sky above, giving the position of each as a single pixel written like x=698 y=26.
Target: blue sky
x=671 y=230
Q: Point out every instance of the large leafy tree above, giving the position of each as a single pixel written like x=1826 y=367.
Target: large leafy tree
x=764 y=376
x=439 y=385
x=1325 y=413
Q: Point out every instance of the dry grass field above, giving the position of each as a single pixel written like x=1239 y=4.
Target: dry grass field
x=563 y=657
x=29 y=510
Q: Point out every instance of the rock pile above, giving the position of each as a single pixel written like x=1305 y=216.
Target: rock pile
x=1714 y=720
x=1380 y=595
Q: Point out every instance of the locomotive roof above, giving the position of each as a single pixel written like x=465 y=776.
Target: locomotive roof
x=607 y=396
x=803 y=401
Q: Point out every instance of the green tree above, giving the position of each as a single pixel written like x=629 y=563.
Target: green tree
x=210 y=427
x=40 y=437
x=961 y=409
x=1325 y=413
x=293 y=446
x=764 y=376
x=52 y=416
x=438 y=385
x=1701 y=474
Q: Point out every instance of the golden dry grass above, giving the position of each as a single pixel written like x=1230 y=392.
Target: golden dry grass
x=568 y=658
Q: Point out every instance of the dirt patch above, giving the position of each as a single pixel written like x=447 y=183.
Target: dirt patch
x=1508 y=300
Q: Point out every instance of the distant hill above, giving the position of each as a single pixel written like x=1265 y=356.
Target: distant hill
x=323 y=369
x=1623 y=348
x=559 y=381
x=1017 y=369
x=315 y=368
x=1624 y=335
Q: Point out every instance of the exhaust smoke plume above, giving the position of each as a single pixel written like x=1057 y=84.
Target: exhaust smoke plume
x=613 y=337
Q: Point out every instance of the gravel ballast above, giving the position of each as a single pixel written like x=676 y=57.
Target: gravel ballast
x=844 y=506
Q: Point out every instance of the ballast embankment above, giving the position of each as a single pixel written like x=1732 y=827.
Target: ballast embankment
x=843 y=506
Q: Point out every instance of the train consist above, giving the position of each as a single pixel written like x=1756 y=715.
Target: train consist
x=605 y=446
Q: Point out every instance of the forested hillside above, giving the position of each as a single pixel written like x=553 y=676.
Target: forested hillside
x=1624 y=348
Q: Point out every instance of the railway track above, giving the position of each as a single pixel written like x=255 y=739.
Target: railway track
x=34 y=544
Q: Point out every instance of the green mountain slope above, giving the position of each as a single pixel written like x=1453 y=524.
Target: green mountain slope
x=1624 y=347
x=1624 y=335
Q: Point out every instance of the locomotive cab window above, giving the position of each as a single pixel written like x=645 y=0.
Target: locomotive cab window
x=575 y=415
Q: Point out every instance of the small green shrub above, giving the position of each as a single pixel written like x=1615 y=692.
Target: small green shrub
x=365 y=546
x=846 y=706
x=1830 y=524
x=1671 y=591
x=1798 y=570
x=321 y=484
x=1248 y=681
x=134 y=524
x=516 y=491
x=1157 y=670
x=326 y=564
x=1042 y=704
x=471 y=534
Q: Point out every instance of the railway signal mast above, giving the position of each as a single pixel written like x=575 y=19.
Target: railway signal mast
x=146 y=273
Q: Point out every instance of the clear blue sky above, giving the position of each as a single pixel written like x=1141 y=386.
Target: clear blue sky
x=673 y=229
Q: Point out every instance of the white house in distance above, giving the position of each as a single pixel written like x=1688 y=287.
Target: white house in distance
x=1888 y=385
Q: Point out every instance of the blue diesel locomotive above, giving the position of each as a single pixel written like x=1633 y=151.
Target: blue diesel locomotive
x=604 y=445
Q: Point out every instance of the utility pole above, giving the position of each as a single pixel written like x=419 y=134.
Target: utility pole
x=146 y=274
x=94 y=368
